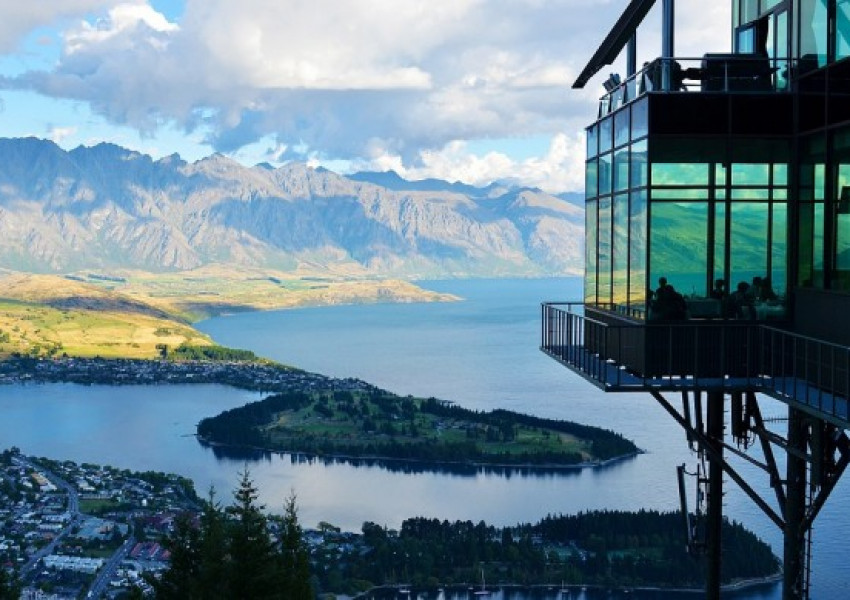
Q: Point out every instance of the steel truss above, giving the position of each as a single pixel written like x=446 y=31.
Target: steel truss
x=816 y=454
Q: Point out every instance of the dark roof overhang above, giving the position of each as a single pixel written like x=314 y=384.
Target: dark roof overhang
x=616 y=39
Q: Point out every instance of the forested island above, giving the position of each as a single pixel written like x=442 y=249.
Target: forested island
x=610 y=549
x=377 y=424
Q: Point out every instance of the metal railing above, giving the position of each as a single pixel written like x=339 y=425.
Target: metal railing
x=730 y=73
x=708 y=355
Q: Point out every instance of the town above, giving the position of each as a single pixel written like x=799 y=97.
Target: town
x=250 y=375
x=72 y=530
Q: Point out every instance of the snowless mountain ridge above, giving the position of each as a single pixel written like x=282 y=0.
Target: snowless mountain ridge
x=106 y=207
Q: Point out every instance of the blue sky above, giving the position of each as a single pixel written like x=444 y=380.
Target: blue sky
x=470 y=90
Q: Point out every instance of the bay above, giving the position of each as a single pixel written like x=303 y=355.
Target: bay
x=481 y=353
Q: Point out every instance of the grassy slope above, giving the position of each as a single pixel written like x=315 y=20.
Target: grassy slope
x=344 y=428
x=128 y=314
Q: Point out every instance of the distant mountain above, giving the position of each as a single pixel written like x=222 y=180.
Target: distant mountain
x=108 y=207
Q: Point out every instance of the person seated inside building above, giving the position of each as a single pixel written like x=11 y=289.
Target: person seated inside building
x=740 y=303
x=668 y=304
x=719 y=290
x=766 y=293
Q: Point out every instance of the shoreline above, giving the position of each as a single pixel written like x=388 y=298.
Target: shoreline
x=570 y=588
x=250 y=376
x=541 y=468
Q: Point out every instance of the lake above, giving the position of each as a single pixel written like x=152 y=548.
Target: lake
x=481 y=353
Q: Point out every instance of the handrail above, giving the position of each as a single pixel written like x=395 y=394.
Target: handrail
x=730 y=73
x=718 y=355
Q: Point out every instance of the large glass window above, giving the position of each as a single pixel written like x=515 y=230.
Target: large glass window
x=813 y=33
x=640 y=119
x=620 y=250
x=842 y=30
x=606 y=137
x=603 y=284
x=810 y=268
x=621 y=169
x=591 y=189
x=605 y=173
x=639 y=176
x=679 y=245
x=638 y=285
x=680 y=174
x=779 y=249
x=748 y=242
x=841 y=211
x=719 y=242
x=592 y=141
x=590 y=225
x=621 y=127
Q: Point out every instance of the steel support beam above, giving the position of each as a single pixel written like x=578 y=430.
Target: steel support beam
x=733 y=475
x=714 y=518
x=795 y=510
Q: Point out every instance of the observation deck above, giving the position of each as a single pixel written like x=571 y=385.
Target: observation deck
x=620 y=354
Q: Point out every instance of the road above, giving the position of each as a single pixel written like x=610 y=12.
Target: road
x=73 y=511
x=106 y=572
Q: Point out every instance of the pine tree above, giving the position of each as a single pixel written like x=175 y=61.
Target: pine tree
x=294 y=555
x=252 y=555
x=180 y=580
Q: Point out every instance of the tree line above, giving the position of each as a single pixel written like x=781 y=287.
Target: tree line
x=608 y=548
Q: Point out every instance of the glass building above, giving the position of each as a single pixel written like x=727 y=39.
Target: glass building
x=717 y=195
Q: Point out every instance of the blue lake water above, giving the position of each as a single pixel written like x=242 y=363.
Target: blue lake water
x=482 y=353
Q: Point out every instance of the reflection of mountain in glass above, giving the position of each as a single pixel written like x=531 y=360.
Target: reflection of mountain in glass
x=679 y=244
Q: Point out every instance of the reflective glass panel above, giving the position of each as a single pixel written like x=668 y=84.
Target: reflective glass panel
x=745 y=194
x=780 y=52
x=590 y=179
x=780 y=174
x=813 y=33
x=621 y=169
x=639 y=166
x=810 y=270
x=679 y=245
x=748 y=246
x=749 y=10
x=590 y=252
x=680 y=174
x=680 y=194
x=842 y=30
x=603 y=284
x=841 y=275
x=637 y=251
x=621 y=127
x=750 y=174
x=779 y=250
x=605 y=173
x=592 y=141
x=719 y=175
x=620 y=249
x=640 y=119
x=719 y=242
x=606 y=134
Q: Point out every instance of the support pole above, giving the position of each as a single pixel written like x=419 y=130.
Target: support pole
x=714 y=518
x=795 y=508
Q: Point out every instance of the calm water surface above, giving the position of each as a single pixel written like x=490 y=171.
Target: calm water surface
x=481 y=353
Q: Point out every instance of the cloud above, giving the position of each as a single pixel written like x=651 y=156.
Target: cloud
x=58 y=134
x=556 y=171
x=344 y=80
x=18 y=19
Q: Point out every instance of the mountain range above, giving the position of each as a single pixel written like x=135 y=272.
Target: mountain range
x=106 y=207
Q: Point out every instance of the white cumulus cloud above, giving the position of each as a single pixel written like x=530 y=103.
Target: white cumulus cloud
x=351 y=80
